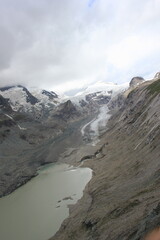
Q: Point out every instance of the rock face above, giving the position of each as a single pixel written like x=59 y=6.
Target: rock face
x=29 y=97
x=157 y=76
x=122 y=201
x=3 y=89
x=136 y=81
x=51 y=94
x=66 y=111
x=4 y=104
x=99 y=97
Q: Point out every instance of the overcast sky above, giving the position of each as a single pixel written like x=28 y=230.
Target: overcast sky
x=66 y=44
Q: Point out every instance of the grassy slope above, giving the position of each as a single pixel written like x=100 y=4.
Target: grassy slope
x=154 y=88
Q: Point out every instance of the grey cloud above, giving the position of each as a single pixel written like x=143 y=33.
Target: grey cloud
x=7 y=47
x=62 y=44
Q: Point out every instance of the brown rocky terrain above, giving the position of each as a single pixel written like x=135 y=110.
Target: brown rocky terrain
x=122 y=200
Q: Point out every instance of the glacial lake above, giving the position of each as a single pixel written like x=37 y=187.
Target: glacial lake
x=36 y=210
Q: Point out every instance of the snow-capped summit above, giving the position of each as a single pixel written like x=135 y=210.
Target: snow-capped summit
x=22 y=99
x=45 y=97
x=19 y=97
x=100 y=92
x=104 y=87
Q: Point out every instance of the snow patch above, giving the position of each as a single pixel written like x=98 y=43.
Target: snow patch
x=21 y=128
x=9 y=117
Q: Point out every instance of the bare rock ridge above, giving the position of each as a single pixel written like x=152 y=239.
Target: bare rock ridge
x=30 y=98
x=4 y=104
x=122 y=200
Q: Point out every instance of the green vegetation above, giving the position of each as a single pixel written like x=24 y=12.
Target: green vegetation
x=154 y=88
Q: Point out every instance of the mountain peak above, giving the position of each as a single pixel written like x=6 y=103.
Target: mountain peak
x=157 y=76
x=136 y=81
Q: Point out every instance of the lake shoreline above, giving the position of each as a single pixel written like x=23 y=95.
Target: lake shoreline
x=49 y=152
x=42 y=203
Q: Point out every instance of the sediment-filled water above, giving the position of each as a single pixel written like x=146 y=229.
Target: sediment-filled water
x=36 y=210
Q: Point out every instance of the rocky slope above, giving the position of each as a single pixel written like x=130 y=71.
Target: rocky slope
x=122 y=201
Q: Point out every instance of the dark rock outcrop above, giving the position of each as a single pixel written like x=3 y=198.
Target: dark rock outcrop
x=98 y=98
x=30 y=98
x=157 y=76
x=136 y=81
x=4 y=104
x=51 y=94
x=66 y=111
x=6 y=88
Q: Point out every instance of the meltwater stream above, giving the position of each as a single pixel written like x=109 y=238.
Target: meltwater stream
x=36 y=210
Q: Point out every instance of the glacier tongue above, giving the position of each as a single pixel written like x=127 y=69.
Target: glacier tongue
x=92 y=130
x=100 y=122
x=97 y=93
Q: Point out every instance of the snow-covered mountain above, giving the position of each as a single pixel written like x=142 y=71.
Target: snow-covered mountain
x=42 y=103
x=99 y=93
x=22 y=99
x=104 y=87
